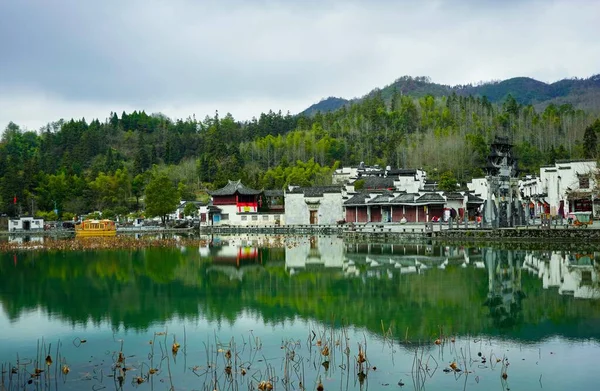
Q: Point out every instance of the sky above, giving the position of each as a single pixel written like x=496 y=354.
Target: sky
x=79 y=58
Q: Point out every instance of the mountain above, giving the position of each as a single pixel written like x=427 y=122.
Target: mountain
x=325 y=105
x=580 y=93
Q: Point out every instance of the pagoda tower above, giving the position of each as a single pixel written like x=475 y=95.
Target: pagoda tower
x=502 y=207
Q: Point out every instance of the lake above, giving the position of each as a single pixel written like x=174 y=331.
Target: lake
x=292 y=313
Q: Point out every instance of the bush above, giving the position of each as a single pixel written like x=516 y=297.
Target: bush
x=47 y=216
x=68 y=216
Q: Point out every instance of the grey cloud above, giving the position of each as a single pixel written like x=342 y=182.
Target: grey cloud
x=196 y=53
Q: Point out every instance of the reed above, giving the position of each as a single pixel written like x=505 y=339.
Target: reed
x=329 y=351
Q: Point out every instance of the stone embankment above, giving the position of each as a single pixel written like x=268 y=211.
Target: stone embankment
x=412 y=231
x=521 y=233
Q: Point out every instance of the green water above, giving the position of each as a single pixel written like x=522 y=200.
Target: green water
x=275 y=303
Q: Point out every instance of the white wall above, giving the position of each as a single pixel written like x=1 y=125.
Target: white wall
x=17 y=224
x=556 y=180
x=530 y=186
x=247 y=219
x=343 y=175
x=479 y=187
x=329 y=208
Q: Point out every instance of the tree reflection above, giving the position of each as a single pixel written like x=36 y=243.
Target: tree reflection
x=414 y=289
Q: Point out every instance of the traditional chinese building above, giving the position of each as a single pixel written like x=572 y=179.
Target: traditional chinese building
x=237 y=204
x=386 y=207
x=314 y=205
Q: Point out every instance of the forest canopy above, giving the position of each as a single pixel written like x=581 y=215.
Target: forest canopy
x=77 y=166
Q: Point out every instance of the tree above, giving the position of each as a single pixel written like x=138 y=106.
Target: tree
x=161 y=197
x=590 y=140
x=447 y=181
x=190 y=210
x=141 y=159
x=137 y=188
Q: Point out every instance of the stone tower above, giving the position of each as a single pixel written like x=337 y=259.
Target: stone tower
x=502 y=207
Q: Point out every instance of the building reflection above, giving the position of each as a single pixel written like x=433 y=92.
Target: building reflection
x=29 y=240
x=233 y=257
x=504 y=285
x=574 y=274
x=571 y=273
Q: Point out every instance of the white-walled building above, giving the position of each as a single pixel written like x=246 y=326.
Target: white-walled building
x=25 y=224
x=564 y=187
x=568 y=186
x=409 y=180
x=314 y=205
x=178 y=214
x=236 y=204
x=479 y=187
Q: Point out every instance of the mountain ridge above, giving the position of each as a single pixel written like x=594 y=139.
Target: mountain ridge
x=581 y=93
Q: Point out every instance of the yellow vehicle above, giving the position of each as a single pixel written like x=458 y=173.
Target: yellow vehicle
x=580 y=219
x=96 y=228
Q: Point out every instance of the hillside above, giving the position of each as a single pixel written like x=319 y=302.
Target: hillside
x=324 y=106
x=581 y=93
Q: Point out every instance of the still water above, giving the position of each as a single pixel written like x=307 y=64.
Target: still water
x=298 y=312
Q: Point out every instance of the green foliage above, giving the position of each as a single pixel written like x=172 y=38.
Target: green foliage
x=78 y=166
x=302 y=174
x=68 y=216
x=137 y=188
x=590 y=140
x=111 y=190
x=161 y=197
x=108 y=214
x=96 y=215
x=447 y=182
x=190 y=210
x=46 y=215
x=359 y=184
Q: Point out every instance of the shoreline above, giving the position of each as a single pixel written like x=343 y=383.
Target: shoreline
x=370 y=231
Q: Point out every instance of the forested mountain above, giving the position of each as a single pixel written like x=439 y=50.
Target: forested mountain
x=77 y=166
x=324 y=106
x=580 y=93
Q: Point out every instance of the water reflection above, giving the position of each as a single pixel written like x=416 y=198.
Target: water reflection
x=572 y=273
x=539 y=308
x=506 y=271
x=526 y=295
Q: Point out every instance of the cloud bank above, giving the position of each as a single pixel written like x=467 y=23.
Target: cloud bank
x=73 y=59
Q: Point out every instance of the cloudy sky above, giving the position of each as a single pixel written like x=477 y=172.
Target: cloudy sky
x=79 y=58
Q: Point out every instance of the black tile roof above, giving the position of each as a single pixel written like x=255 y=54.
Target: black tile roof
x=383 y=198
x=316 y=191
x=197 y=204
x=375 y=182
x=454 y=195
x=235 y=187
x=431 y=198
x=473 y=199
x=274 y=193
x=407 y=198
x=405 y=172
x=358 y=199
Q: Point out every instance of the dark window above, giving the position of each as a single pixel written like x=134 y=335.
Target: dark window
x=584 y=182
